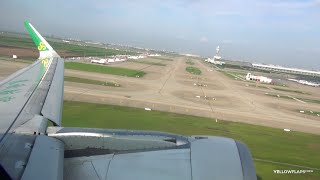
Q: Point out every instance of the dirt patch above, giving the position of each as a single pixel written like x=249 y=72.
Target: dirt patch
x=205 y=85
x=20 y=52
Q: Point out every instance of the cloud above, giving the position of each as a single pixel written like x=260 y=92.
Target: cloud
x=204 y=39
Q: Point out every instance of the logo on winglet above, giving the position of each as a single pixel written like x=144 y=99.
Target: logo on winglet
x=45 y=63
x=42 y=46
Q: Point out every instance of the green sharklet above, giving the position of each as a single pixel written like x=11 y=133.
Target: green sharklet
x=40 y=45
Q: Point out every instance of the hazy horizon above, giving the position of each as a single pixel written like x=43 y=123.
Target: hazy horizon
x=266 y=31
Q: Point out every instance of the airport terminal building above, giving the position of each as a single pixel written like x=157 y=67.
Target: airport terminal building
x=285 y=69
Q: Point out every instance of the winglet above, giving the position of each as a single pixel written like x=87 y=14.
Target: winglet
x=43 y=46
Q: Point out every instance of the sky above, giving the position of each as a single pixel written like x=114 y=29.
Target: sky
x=285 y=32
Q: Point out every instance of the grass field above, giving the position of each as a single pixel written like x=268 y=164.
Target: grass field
x=88 y=50
x=104 y=69
x=237 y=72
x=279 y=96
x=316 y=101
x=193 y=70
x=189 y=62
x=228 y=74
x=289 y=90
x=280 y=85
x=234 y=76
x=16 y=41
x=149 y=62
x=26 y=42
x=162 y=58
x=243 y=68
x=89 y=81
x=257 y=86
x=23 y=60
x=265 y=143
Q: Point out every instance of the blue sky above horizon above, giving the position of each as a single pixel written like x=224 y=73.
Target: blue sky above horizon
x=285 y=32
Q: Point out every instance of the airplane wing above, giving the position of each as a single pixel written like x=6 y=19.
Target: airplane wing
x=30 y=150
x=28 y=98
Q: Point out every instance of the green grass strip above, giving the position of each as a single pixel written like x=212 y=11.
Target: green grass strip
x=162 y=58
x=104 y=69
x=193 y=70
x=288 y=90
x=316 y=101
x=148 y=62
x=89 y=81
